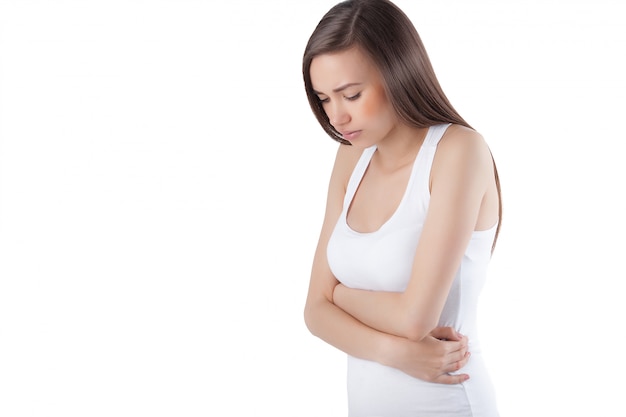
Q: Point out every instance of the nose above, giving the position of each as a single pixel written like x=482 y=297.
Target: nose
x=337 y=114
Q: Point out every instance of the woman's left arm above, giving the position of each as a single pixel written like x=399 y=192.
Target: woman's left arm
x=460 y=175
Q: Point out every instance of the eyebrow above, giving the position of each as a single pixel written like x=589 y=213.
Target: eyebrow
x=341 y=88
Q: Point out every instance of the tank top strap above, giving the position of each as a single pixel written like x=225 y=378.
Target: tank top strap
x=434 y=135
x=357 y=175
x=429 y=147
x=420 y=176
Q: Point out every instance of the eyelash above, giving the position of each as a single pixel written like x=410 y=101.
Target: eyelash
x=351 y=98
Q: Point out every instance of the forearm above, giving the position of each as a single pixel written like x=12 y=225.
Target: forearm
x=339 y=329
x=380 y=310
x=430 y=359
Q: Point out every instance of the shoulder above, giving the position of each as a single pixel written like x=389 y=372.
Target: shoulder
x=463 y=151
x=461 y=138
x=462 y=144
x=348 y=155
x=345 y=161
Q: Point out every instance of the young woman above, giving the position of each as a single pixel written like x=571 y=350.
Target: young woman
x=412 y=216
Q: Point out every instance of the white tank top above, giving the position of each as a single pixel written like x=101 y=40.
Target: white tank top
x=382 y=261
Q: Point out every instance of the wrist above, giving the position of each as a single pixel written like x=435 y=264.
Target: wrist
x=388 y=350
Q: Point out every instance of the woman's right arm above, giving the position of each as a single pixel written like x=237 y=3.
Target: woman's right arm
x=430 y=359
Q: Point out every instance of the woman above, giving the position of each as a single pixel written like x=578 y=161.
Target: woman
x=412 y=216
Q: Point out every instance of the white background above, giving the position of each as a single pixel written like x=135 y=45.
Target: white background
x=162 y=184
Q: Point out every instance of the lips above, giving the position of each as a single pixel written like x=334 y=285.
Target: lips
x=349 y=135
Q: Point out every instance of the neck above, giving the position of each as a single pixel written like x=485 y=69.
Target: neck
x=400 y=147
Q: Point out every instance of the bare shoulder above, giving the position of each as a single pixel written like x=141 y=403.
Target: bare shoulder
x=345 y=161
x=462 y=138
x=348 y=155
x=460 y=143
x=462 y=157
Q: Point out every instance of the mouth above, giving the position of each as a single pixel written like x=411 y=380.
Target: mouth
x=350 y=135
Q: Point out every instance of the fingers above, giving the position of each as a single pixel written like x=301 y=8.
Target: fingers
x=448 y=378
x=452 y=379
x=456 y=350
x=457 y=364
x=446 y=333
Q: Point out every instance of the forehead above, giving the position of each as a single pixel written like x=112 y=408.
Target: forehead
x=329 y=71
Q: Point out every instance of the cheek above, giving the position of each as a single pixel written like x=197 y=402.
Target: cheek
x=375 y=104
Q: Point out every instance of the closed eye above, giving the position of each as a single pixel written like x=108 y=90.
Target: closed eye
x=354 y=97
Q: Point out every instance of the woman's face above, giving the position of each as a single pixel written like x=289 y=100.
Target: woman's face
x=353 y=96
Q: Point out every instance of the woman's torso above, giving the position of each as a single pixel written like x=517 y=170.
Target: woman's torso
x=382 y=261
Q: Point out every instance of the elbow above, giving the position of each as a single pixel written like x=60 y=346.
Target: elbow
x=418 y=321
x=316 y=310
x=318 y=316
x=310 y=318
x=417 y=333
x=417 y=329
x=307 y=318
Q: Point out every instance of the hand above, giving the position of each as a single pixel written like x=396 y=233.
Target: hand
x=432 y=358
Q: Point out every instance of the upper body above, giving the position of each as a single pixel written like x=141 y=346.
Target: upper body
x=370 y=84
x=464 y=196
x=382 y=259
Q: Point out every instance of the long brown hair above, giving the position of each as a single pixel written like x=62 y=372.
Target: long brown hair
x=387 y=36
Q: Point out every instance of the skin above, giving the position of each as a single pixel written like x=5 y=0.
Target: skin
x=396 y=329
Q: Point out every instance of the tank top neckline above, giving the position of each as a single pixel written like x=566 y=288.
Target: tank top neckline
x=430 y=139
